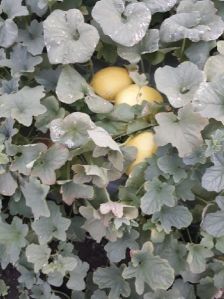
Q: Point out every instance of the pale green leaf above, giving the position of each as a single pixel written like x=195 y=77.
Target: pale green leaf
x=38 y=255
x=197 y=257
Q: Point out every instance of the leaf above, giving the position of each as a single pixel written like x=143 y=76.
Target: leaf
x=3 y=288
x=71 y=191
x=172 y=165
x=48 y=78
x=76 y=280
x=90 y=173
x=157 y=195
x=54 y=111
x=149 y=269
x=171 y=294
x=189 y=22
x=97 y=104
x=174 y=252
x=94 y=225
x=127 y=25
x=110 y=278
x=37 y=7
x=35 y=195
x=213 y=224
x=219 y=279
x=26 y=156
x=116 y=251
x=8 y=184
x=60 y=264
x=209 y=99
x=178 y=217
x=213 y=178
x=13 y=8
x=149 y=44
x=182 y=131
x=72 y=131
x=119 y=210
x=199 y=52
x=12 y=237
x=214 y=67
x=71 y=85
x=185 y=289
x=22 y=105
x=179 y=84
x=99 y=295
x=22 y=60
x=8 y=33
x=197 y=257
x=160 y=6
x=67 y=38
x=54 y=226
x=38 y=255
x=54 y=158
x=32 y=38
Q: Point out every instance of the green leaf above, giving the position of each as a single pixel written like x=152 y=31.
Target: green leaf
x=14 y=8
x=8 y=184
x=213 y=224
x=209 y=99
x=172 y=165
x=149 y=269
x=197 y=257
x=110 y=278
x=60 y=264
x=8 y=33
x=3 y=288
x=179 y=84
x=71 y=191
x=157 y=195
x=53 y=111
x=159 y=6
x=182 y=131
x=99 y=295
x=97 y=104
x=71 y=85
x=116 y=251
x=128 y=24
x=54 y=158
x=90 y=173
x=54 y=226
x=26 y=156
x=38 y=255
x=35 y=195
x=12 y=237
x=171 y=294
x=76 y=280
x=213 y=178
x=178 y=217
x=18 y=105
x=72 y=131
x=219 y=279
x=65 y=36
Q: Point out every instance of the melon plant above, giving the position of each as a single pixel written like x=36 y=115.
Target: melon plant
x=112 y=149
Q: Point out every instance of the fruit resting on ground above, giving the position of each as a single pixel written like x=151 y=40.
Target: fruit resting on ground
x=135 y=94
x=109 y=81
x=145 y=145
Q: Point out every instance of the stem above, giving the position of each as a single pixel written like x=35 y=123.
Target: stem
x=182 y=49
x=91 y=67
x=61 y=293
x=189 y=235
x=142 y=65
x=125 y=134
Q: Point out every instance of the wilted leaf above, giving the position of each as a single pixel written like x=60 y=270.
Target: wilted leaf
x=68 y=39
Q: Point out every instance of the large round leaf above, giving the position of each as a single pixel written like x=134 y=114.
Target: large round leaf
x=68 y=38
x=160 y=6
x=125 y=25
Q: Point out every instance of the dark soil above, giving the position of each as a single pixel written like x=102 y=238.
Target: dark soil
x=10 y=276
